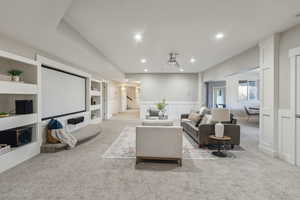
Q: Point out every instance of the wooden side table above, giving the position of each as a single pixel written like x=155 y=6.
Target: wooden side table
x=220 y=141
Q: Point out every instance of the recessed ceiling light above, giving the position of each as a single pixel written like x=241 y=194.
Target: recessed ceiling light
x=192 y=60
x=219 y=36
x=145 y=70
x=138 y=37
x=182 y=70
x=143 y=60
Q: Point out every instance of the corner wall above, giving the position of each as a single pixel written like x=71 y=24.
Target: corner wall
x=289 y=39
x=242 y=62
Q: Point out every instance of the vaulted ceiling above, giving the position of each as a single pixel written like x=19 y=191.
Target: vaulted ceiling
x=98 y=34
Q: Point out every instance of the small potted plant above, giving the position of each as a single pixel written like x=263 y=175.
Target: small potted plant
x=15 y=74
x=161 y=107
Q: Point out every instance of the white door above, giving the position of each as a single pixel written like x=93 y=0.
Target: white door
x=297 y=105
x=219 y=96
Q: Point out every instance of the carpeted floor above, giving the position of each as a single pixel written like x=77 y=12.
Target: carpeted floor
x=82 y=173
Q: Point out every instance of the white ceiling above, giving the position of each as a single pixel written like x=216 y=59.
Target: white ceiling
x=98 y=34
x=187 y=27
x=40 y=24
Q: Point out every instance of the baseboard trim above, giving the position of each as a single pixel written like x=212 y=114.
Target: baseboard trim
x=265 y=148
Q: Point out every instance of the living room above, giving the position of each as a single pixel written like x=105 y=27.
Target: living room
x=149 y=99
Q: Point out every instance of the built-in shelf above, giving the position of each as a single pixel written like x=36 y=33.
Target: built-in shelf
x=15 y=121
x=11 y=91
x=9 y=87
x=18 y=155
x=95 y=93
x=95 y=107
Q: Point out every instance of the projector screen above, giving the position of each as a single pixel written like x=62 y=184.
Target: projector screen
x=63 y=93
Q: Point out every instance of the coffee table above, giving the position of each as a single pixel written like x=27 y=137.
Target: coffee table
x=220 y=141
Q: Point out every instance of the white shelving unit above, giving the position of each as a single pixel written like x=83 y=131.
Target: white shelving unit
x=10 y=91
x=96 y=101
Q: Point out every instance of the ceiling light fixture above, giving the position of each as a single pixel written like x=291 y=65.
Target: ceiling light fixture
x=143 y=60
x=182 y=70
x=192 y=60
x=173 y=59
x=145 y=70
x=219 y=36
x=138 y=37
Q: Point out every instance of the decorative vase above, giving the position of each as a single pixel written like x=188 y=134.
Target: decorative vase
x=15 y=78
x=160 y=114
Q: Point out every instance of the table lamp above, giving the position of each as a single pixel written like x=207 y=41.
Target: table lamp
x=220 y=115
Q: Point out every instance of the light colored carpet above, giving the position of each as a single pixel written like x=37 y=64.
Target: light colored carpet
x=82 y=174
x=124 y=147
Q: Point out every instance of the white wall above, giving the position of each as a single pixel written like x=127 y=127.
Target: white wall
x=114 y=98
x=181 y=92
x=172 y=87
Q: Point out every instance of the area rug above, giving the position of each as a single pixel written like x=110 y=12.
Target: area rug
x=124 y=147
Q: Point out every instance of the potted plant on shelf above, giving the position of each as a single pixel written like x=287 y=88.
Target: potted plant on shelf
x=161 y=107
x=4 y=114
x=15 y=74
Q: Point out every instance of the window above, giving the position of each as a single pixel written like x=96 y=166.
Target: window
x=248 y=90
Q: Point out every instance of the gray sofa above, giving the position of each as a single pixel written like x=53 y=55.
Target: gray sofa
x=201 y=133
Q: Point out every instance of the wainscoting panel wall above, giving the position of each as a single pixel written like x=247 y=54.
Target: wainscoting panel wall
x=286 y=145
x=268 y=140
x=174 y=108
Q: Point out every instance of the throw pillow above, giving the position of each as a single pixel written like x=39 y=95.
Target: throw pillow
x=204 y=110
x=195 y=118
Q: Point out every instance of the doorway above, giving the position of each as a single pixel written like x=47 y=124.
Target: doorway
x=219 y=97
x=216 y=94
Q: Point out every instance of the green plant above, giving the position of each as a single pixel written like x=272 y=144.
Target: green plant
x=162 y=105
x=15 y=72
